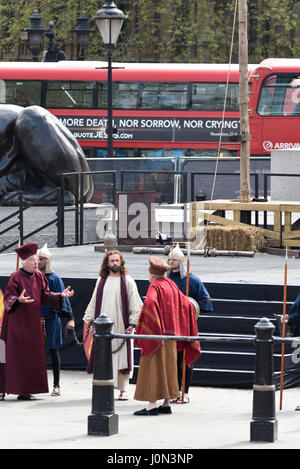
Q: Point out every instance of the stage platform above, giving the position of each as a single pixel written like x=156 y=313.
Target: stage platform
x=285 y=218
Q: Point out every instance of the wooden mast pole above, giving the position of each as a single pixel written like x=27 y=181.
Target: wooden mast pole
x=245 y=189
x=187 y=294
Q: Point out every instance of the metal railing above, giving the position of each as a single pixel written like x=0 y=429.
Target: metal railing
x=183 y=184
x=20 y=214
x=78 y=207
x=263 y=427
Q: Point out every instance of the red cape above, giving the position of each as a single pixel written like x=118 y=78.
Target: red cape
x=167 y=311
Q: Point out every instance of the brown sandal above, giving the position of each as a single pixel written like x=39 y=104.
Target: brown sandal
x=176 y=400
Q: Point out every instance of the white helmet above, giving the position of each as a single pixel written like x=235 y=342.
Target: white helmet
x=44 y=252
x=176 y=254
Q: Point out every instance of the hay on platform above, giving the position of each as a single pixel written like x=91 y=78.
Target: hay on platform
x=228 y=238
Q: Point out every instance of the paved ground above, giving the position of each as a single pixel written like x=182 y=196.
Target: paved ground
x=215 y=418
x=84 y=262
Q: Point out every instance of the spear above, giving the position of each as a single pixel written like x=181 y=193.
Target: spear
x=187 y=294
x=283 y=327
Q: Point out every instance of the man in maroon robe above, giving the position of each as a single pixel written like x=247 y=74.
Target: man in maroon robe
x=24 y=371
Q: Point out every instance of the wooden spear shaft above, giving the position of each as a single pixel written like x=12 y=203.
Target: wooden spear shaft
x=18 y=257
x=283 y=328
x=187 y=294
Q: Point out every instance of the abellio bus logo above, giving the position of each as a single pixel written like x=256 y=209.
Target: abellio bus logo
x=267 y=145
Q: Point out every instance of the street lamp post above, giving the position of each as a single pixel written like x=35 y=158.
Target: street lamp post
x=82 y=31
x=109 y=21
x=35 y=33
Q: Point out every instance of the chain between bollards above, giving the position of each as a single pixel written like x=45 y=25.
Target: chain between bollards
x=263 y=426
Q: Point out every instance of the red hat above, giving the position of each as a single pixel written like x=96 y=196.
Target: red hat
x=27 y=250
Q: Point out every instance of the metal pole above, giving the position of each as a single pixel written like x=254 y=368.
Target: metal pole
x=77 y=210
x=109 y=106
x=61 y=213
x=103 y=420
x=264 y=426
x=21 y=218
x=81 y=208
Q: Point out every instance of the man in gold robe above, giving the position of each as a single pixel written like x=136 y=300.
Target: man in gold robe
x=166 y=311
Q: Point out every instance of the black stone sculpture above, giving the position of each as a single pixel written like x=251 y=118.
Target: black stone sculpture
x=35 y=149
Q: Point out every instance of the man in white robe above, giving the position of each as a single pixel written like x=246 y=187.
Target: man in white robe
x=110 y=297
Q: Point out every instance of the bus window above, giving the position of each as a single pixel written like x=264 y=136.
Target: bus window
x=211 y=96
x=2 y=92
x=280 y=96
x=266 y=97
x=69 y=94
x=291 y=106
x=125 y=95
x=23 y=93
x=164 y=96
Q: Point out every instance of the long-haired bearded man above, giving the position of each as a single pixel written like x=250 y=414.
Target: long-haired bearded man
x=116 y=295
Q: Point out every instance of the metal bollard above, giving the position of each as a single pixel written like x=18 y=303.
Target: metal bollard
x=264 y=426
x=103 y=420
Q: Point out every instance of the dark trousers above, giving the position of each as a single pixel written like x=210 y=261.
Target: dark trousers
x=188 y=373
x=55 y=360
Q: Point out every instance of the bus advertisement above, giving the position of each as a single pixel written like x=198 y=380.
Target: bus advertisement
x=163 y=106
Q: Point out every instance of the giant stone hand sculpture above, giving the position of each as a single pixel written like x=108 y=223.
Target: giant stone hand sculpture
x=35 y=149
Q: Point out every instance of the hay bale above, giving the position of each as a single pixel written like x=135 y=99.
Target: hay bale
x=228 y=238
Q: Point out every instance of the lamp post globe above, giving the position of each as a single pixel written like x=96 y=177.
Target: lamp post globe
x=82 y=31
x=35 y=34
x=109 y=21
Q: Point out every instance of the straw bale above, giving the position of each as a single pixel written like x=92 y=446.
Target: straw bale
x=228 y=238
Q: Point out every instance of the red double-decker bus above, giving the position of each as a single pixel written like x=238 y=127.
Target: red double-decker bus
x=160 y=109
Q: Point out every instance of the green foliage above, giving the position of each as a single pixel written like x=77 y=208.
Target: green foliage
x=161 y=30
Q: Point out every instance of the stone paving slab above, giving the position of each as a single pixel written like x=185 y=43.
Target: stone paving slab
x=216 y=418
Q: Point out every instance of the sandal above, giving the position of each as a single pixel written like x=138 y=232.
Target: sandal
x=176 y=400
x=2 y=396
x=26 y=397
x=56 y=391
x=186 y=400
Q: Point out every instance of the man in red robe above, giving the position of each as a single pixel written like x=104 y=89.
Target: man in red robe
x=24 y=371
x=166 y=311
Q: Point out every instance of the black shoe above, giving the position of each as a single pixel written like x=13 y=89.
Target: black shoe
x=164 y=409
x=147 y=412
